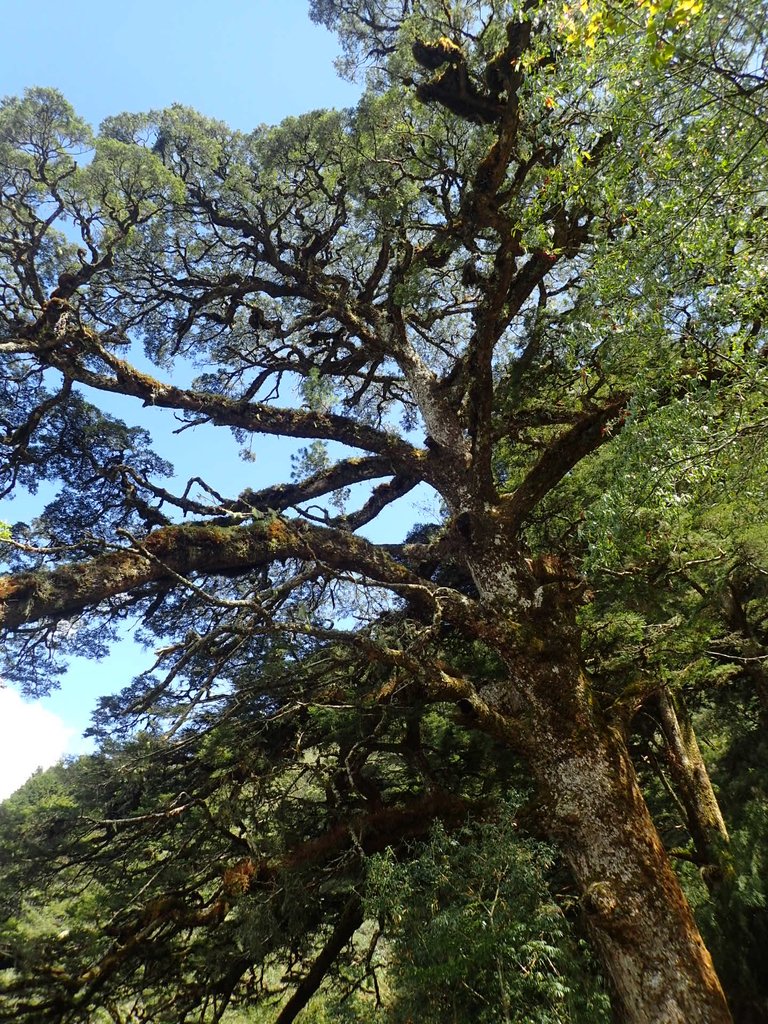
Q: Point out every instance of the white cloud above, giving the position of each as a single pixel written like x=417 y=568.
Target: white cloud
x=30 y=738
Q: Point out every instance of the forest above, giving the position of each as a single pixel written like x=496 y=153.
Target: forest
x=502 y=763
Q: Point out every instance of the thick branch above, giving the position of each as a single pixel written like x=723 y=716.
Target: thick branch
x=565 y=452
x=342 y=474
x=350 y=920
x=252 y=416
x=382 y=496
x=185 y=550
x=703 y=815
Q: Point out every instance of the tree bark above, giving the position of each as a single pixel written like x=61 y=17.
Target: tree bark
x=642 y=926
x=660 y=970
x=350 y=920
x=689 y=773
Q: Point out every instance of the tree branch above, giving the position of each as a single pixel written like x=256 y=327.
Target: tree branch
x=382 y=496
x=341 y=474
x=346 y=926
x=175 y=551
x=252 y=416
x=565 y=452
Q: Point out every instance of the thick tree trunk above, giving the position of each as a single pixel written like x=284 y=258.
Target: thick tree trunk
x=691 y=778
x=650 y=947
x=649 y=944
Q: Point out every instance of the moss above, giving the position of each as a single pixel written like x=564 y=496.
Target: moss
x=278 y=533
x=434 y=55
x=8 y=587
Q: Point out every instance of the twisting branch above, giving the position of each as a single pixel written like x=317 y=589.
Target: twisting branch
x=586 y=435
x=181 y=551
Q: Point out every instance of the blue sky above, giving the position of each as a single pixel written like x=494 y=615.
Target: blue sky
x=245 y=62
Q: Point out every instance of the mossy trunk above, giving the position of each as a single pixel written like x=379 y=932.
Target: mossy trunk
x=650 y=947
x=649 y=944
x=694 y=787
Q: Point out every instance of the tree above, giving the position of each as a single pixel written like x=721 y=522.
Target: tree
x=121 y=897
x=515 y=252
x=475 y=935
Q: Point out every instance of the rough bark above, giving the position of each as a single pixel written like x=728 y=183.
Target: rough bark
x=173 y=553
x=658 y=965
x=651 y=949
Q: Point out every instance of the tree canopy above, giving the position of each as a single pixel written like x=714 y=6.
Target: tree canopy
x=528 y=272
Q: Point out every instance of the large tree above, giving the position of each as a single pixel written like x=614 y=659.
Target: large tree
x=510 y=253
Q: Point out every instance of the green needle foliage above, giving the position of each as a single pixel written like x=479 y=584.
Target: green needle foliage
x=528 y=274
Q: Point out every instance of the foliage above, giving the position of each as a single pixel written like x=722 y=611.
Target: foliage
x=538 y=243
x=475 y=933
x=223 y=847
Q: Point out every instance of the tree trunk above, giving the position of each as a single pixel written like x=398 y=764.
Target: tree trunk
x=689 y=774
x=642 y=926
x=649 y=944
x=741 y=942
